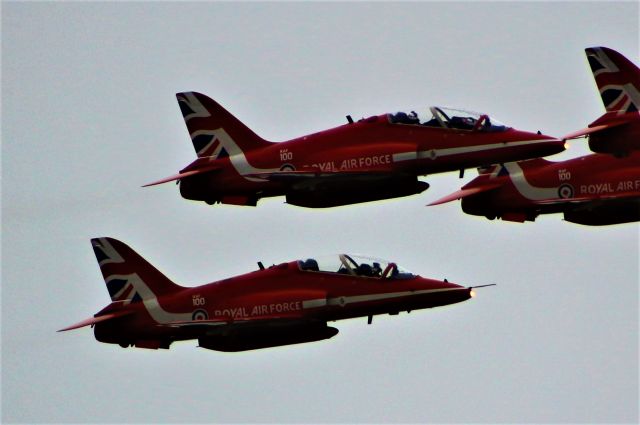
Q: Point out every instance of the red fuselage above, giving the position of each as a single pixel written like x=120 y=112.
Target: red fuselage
x=374 y=158
x=282 y=296
x=284 y=304
x=595 y=189
x=367 y=155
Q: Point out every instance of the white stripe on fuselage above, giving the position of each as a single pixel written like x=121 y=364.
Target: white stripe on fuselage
x=385 y=296
x=533 y=193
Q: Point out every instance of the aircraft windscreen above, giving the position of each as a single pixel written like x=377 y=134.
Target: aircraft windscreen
x=448 y=118
x=355 y=265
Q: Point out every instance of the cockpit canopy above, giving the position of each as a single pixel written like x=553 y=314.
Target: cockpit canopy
x=442 y=117
x=355 y=265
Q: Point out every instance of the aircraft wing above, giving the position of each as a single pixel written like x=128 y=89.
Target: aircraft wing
x=211 y=327
x=463 y=193
x=297 y=176
x=224 y=322
x=311 y=179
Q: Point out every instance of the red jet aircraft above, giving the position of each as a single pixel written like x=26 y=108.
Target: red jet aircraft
x=379 y=157
x=284 y=304
x=596 y=189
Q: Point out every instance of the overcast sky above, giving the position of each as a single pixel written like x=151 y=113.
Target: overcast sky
x=89 y=115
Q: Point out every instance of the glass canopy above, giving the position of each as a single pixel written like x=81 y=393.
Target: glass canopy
x=442 y=117
x=355 y=265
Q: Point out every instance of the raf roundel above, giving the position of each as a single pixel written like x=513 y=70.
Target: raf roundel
x=199 y=315
x=565 y=191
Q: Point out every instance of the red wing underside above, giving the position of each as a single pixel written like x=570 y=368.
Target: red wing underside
x=295 y=176
x=585 y=199
x=262 y=321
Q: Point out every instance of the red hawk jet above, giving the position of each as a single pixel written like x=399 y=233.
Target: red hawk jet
x=289 y=303
x=597 y=189
x=375 y=158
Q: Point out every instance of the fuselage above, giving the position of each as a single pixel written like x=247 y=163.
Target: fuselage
x=280 y=294
x=370 y=149
x=600 y=186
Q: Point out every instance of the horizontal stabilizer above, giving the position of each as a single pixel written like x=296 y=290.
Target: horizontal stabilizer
x=184 y=174
x=93 y=320
x=603 y=123
x=463 y=193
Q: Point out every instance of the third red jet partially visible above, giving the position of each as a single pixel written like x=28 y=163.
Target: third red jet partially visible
x=598 y=189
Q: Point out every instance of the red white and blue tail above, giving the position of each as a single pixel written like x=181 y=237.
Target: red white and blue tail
x=128 y=276
x=618 y=79
x=215 y=133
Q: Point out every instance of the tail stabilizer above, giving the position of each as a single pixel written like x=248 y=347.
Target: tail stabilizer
x=97 y=319
x=466 y=192
x=129 y=277
x=215 y=133
x=607 y=121
x=617 y=78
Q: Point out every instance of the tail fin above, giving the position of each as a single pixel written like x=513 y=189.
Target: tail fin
x=129 y=277
x=214 y=131
x=618 y=79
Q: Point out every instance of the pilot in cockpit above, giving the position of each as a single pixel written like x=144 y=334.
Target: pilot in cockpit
x=364 y=269
x=376 y=270
x=404 y=118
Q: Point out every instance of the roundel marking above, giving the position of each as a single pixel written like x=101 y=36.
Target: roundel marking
x=199 y=314
x=565 y=191
x=287 y=167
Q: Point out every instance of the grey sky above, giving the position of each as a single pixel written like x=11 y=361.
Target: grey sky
x=89 y=115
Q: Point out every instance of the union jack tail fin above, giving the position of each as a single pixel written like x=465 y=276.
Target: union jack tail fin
x=618 y=79
x=129 y=277
x=214 y=131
